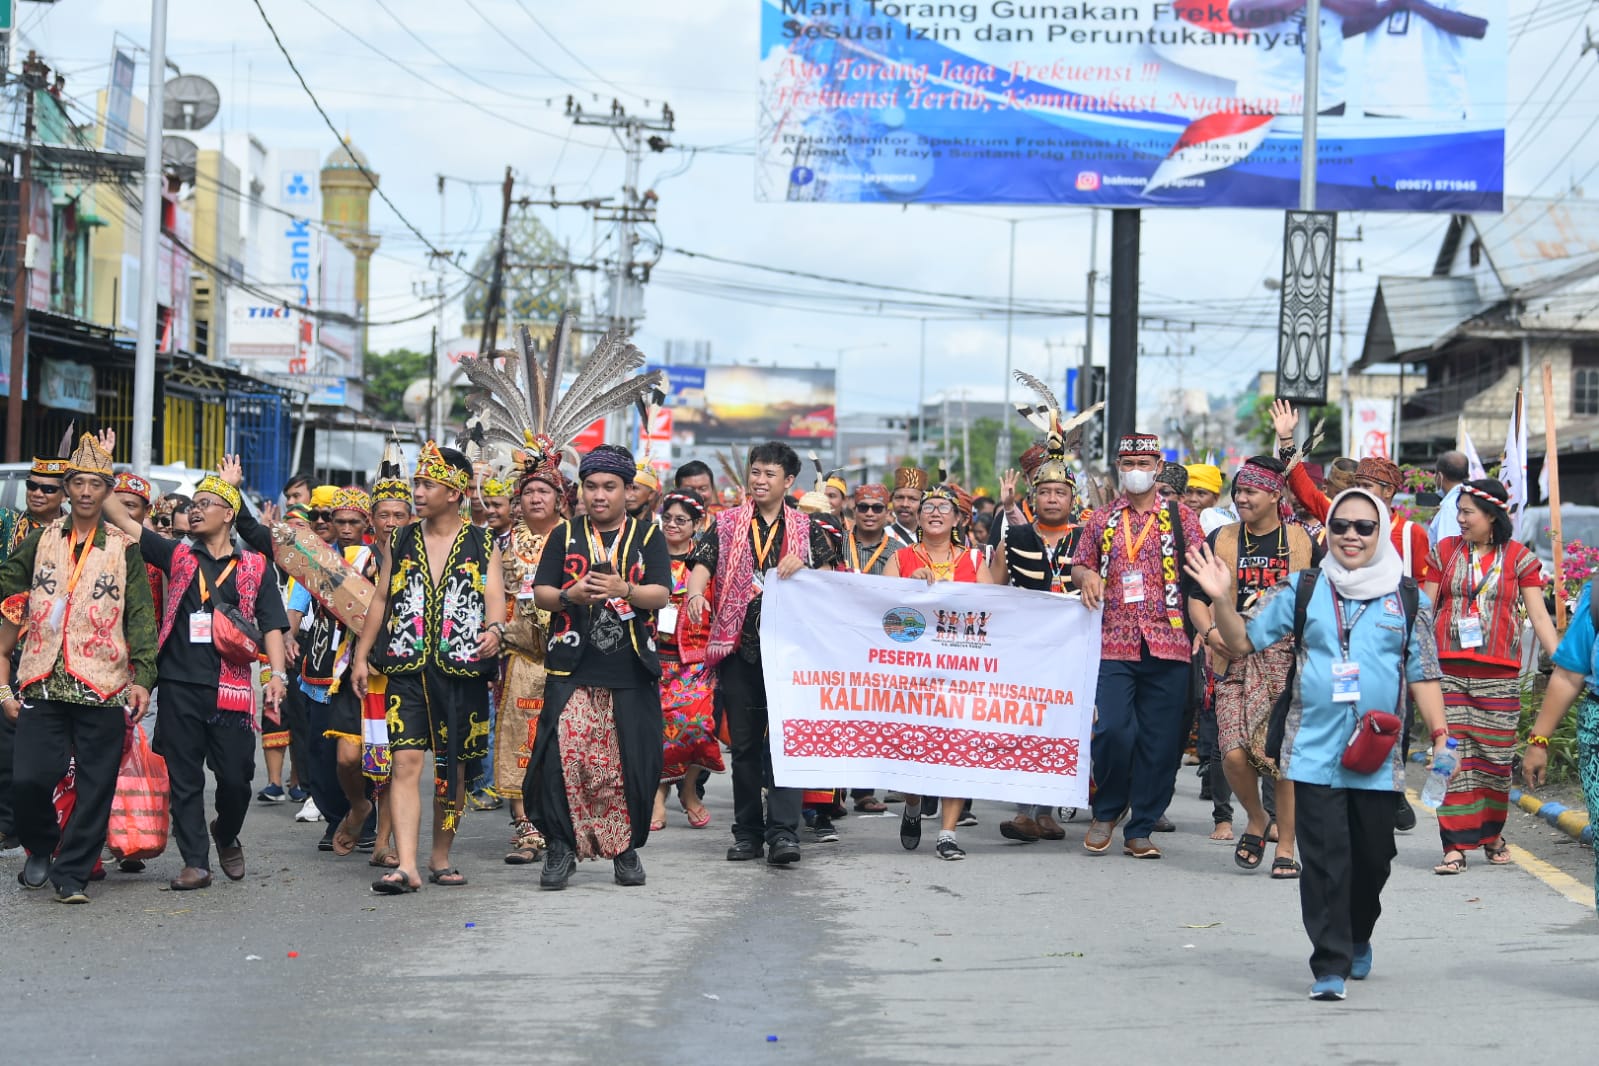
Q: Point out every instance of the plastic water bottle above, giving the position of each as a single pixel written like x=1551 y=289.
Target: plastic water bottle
x=1443 y=768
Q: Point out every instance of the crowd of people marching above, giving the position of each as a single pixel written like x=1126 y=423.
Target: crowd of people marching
x=578 y=651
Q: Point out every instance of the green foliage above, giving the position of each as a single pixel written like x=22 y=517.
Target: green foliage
x=1256 y=427
x=387 y=375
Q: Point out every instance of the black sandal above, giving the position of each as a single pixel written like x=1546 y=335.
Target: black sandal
x=386 y=886
x=1284 y=869
x=1251 y=849
x=451 y=878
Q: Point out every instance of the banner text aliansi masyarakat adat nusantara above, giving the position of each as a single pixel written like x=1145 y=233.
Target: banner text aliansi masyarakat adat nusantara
x=945 y=690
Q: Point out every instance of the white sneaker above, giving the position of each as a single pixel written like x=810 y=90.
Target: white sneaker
x=308 y=812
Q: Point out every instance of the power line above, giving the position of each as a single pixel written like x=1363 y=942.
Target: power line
x=360 y=166
x=603 y=80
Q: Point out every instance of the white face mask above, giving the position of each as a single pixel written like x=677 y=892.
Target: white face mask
x=1137 y=482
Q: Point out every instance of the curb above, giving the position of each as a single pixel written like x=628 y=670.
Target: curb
x=1574 y=823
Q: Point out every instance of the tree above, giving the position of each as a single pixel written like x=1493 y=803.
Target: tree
x=1256 y=427
x=387 y=376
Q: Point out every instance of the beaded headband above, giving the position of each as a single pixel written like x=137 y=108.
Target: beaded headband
x=221 y=489
x=431 y=466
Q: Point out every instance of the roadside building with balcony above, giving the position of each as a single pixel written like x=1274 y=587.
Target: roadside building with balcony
x=1507 y=294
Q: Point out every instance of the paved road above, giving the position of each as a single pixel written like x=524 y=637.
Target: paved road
x=863 y=954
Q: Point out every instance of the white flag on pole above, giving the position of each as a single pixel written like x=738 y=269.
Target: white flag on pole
x=1514 y=471
x=1463 y=444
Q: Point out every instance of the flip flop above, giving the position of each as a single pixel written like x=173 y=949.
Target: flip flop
x=344 y=842
x=451 y=878
x=1285 y=869
x=699 y=821
x=386 y=860
x=384 y=886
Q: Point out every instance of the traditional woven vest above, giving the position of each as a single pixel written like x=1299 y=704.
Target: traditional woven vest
x=440 y=626
x=88 y=636
x=233 y=680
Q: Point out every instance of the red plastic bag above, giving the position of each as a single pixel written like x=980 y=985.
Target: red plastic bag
x=140 y=810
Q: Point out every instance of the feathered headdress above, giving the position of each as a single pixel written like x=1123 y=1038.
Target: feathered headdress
x=520 y=408
x=392 y=484
x=1060 y=438
x=815 y=501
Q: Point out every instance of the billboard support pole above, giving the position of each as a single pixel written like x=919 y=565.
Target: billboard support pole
x=921 y=399
x=1307 y=142
x=149 y=246
x=1002 y=459
x=1121 y=384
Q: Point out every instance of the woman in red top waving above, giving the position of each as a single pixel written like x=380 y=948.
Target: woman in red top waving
x=1485 y=575
x=938 y=556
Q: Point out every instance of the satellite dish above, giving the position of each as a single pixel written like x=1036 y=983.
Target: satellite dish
x=190 y=102
x=178 y=158
x=415 y=399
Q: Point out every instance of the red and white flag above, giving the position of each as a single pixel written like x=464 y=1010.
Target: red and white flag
x=1214 y=142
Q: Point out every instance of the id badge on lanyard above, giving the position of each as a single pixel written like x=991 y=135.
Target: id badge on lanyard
x=666 y=620
x=1471 y=629
x=200 y=627
x=1346 y=682
x=1132 y=586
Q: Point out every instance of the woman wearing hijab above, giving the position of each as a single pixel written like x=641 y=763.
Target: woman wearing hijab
x=1486 y=575
x=1349 y=661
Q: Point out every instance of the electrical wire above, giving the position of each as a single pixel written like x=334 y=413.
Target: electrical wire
x=603 y=80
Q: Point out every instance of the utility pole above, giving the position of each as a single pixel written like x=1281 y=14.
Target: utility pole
x=1085 y=386
x=34 y=74
x=1346 y=401
x=1121 y=384
x=149 y=246
x=1002 y=451
x=491 y=311
x=626 y=274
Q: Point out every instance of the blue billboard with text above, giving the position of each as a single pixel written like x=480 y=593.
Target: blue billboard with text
x=1174 y=103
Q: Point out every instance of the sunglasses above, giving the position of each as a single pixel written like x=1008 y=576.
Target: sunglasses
x=320 y=516
x=670 y=519
x=161 y=521
x=1340 y=526
x=39 y=486
x=870 y=508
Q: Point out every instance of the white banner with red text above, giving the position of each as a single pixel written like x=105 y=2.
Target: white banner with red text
x=980 y=691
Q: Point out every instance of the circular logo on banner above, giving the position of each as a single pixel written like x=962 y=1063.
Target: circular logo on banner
x=904 y=624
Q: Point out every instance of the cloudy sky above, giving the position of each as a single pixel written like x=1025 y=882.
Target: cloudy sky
x=471 y=86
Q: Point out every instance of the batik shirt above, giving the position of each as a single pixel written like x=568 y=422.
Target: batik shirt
x=1157 y=619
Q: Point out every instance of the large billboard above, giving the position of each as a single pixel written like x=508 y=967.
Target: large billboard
x=1182 y=103
x=746 y=403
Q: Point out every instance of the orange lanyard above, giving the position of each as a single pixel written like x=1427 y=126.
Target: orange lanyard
x=598 y=553
x=205 y=593
x=855 y=555
x=1132 y=545
x=762 y=550
x=77 y=570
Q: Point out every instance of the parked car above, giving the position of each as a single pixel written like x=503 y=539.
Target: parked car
x=165 y=479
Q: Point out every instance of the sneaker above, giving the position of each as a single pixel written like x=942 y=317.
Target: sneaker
x=298 y=794
x=70 y=895
x=910 y=832
x=948 y=849
x=1327 y=988
x=967 y=819
x=1360 y=968
x=272 y=794
x=627 y=869
x=823 y=829
x=308 y=812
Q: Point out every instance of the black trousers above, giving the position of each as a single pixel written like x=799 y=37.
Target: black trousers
x=1346 y=844
x=8 y=747
x=320 y=773
x=294 y=720
x=743 y=688
x=191 y=734
x=48 y=734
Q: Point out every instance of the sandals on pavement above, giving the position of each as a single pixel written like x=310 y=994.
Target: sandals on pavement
x=344 y=840
x=394 y=884
x=1498 y=853
x=1450 y=866
x=1284 y=869
x=386 y=860
x=870 y=805
x=1251 y=849
x=451 y=878
x=697 y=819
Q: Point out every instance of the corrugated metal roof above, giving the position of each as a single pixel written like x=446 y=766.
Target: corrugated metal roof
x=1539 y=245
x=1413 y=314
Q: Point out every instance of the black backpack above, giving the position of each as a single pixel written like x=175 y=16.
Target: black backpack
x=1410 y=603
